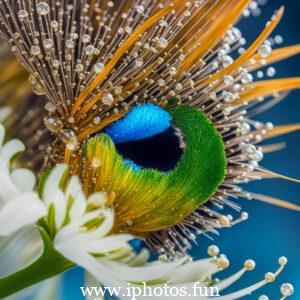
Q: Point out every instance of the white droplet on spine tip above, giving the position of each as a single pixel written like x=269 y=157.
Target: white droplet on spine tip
x=265 y=50
x=35 y=50
x=287 y=289
x=22 y=15
x=42 y=8
x=213 y=250
x=107 y=98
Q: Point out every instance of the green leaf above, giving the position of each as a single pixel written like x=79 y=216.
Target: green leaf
x=51 y=225
x=50 y=264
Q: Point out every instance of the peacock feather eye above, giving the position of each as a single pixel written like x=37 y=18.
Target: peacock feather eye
x=145 y=101
x=144 y=198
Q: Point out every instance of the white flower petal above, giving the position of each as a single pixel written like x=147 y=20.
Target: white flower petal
x=113 y=273
x=223 y=284
x=60 y=205
x=45 y=290
x=49 y=289
x=152 y=271
x=123 y=255
x=52 y=183
x=19 y=250
x=104 y=229
x=4 y=167
x=74 y=187
x=4 y=114
x=8 y=190
x=98 y=198
x=23 y=210
x=193 y=271
x=89 y=263
x=139 y=259
x=11 y=148
x=2 y=135
x=74 y=190
x=74 y=227
x=100 y=246
x=24 y=180
x=79 y=206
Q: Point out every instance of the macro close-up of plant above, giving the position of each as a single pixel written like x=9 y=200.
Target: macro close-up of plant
x=131 y=134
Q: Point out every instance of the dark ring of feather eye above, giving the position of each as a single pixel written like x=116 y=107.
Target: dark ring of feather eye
x=146 y=138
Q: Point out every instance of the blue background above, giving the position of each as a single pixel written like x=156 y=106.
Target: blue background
x=270 y=231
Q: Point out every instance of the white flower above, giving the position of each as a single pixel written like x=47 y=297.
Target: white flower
x=19 y=204
x=66 y=214
x=66 y=210
x=80 y=223
x=76 y=222
x=18 y=208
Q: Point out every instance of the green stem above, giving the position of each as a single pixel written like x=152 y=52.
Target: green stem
x=50 y=264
